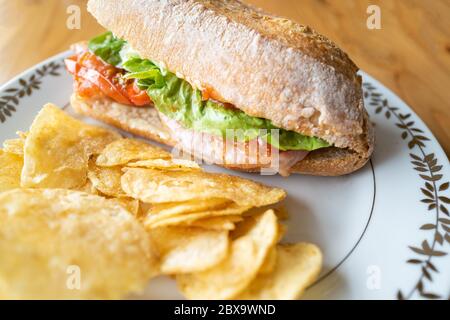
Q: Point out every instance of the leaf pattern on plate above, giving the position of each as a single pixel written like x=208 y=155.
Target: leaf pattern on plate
x=9 y=101
x=430 y=171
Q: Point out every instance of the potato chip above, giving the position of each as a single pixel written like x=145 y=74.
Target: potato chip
x=10 y=168
x=155 y=186
x=122 y=151
x=214 y=223
x=170 y=209
x=143 y=208
x=269 y=263
x=249 y=223
x=281 y=212
x=88 y=188
x=236 y=272
x=156 y=220
x=14 y=146
x=166 y=164
x=22 y=135
x=297 y=266
x=106 y=179
x=130 y=204
x=281 y=230
x=184 y=250
x=53 y=241
x=57 y=150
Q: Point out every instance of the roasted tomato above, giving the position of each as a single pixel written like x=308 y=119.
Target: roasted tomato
x=94 y=78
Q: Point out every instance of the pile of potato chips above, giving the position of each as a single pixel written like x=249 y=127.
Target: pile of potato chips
x=85 y=213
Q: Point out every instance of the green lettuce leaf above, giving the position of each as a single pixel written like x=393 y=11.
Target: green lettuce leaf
x=291 y=140
x=178 y=100
x=107 y=47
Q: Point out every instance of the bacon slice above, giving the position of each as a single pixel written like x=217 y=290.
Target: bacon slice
x=214 y=149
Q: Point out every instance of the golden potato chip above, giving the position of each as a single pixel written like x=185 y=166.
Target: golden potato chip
x=214 y=223
x=122 y=151
x=281 y=212
x=88 y=188
x=57 y=150
x=184 y=250
x=106 y=179
x=157 y=220
x=10 y=168
x=22 y=135
x=281 y=230
x=296 y=268
x=249 y=223
x=229 y=278
x=155 y=186
x=143 y=208
x=269 y=263
x=132 y=205
x=61 y=244
x=170 y=209
x=14 y=146
x=166 y=164
x=250 y=218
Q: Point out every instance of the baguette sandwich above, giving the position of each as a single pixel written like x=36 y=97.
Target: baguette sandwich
x=186 y=73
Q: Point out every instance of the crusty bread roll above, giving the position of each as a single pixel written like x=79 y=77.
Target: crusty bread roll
x=267 y=66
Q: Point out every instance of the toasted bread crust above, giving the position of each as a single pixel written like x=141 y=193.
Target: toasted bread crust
x=267 y=66
x=145 y=122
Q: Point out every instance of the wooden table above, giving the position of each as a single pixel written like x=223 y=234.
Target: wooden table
x=410 y=53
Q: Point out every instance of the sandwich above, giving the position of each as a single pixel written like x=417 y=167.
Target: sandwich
x=226 y=82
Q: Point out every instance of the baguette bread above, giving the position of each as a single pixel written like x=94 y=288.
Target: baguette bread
x=146 y=123
x=267 y=66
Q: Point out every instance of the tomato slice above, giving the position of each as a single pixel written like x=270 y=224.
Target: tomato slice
x=87 y=89
x=93 y=76
x=105 y=84
x=137 y=96
x=71 y=65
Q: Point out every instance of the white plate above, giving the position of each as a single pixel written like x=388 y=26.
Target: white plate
x=384 y=230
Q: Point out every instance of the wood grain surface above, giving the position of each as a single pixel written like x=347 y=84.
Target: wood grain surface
x=410 y=54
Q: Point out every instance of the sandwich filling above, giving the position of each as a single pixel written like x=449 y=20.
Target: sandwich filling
x=109 y=67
